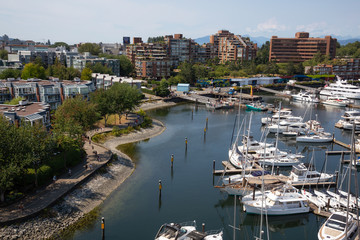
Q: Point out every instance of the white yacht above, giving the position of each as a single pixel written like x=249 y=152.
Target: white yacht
x=283 y=200
x=285 y=126
x=338 y=101
x=283 y=114
x=185 y=231
x=305 y=97
x=315 y=138
x=307 y=174
x=340 y=225
x=342 y=88
x=347 y=120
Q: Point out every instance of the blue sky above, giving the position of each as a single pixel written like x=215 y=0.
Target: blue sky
x=76 y=21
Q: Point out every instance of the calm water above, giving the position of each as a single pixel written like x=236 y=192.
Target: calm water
x=134 y=210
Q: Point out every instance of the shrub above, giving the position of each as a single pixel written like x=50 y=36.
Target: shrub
x=146 y=123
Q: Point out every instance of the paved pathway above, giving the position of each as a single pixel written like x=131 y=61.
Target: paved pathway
x=46 y=196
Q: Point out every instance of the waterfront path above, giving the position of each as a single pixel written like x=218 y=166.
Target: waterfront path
x=96 y=157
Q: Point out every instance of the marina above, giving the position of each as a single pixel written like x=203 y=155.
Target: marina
x=195 y=174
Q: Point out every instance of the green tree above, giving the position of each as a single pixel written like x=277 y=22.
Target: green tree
x=59 y=70
x=126 y=67
x=103 y=102
x=163 y=89
x=262 y=55
x=4 y=54
x=187 y=72
x=124 y=98
x=159 y=39
x=92 y=48
x=38 y=145
x=59 y=44
x=10 y=73
x=290 y=68
x=75 y=116
x=32 y=70
x=12 y=153
x=99 y=68
x=86 y=74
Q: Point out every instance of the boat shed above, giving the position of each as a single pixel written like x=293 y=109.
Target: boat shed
x=183 y=87
x=255 y=81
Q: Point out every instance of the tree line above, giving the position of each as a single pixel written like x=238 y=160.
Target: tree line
x=31 y=155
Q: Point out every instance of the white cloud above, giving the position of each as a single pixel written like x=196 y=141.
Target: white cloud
x=269 y=26
x=316 y=27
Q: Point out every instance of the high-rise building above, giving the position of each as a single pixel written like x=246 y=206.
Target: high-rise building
x=231 y=47
x=300 y=48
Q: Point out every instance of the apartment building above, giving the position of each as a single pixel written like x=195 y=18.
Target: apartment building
x=26 y=112
x=52 y=92
x=79 y=62
x=300 y=48
x=231 y=47
x=150 y=60
x=105 y=81
x=350 y=70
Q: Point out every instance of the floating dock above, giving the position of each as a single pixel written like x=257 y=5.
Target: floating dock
x=277 y=93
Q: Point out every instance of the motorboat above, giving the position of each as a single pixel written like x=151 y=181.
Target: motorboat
x=213 y=105
x=185 y=231
x=348 y=119
x=340 y=225
x=278 y=115
x=342 y=88
x=314 y=138
x=257 y=106
x=227 y=105
x=305 y=97
x=280 y=162
x=283 y=200
x=307 y=174
x=287 y=127
x=338 y=101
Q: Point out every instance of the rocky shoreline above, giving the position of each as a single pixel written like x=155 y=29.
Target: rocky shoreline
x=88 y=195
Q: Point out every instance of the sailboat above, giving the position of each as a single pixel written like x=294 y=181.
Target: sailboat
x=342 y=224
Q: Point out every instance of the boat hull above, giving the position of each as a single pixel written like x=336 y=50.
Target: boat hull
x=274 y=212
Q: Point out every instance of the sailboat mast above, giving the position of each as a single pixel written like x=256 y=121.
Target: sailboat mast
x=349 y=179
x=277 y=140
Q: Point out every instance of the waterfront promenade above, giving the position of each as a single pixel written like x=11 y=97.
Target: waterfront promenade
x=96 y=157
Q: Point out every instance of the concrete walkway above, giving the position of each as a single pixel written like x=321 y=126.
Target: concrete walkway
x=96 y=157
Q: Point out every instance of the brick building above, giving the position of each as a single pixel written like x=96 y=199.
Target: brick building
x=300 y=48
x=231 y=47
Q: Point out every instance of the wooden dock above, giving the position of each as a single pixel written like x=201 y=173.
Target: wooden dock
x=344 y=145
x=354 y=106
x=319 y=211
x=310 y=89
x=277 y=93
x=230 y=169
x=337 y=152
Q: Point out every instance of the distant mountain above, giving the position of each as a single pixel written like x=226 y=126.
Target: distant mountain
x=202 y=40
x=259 y=40
x=346 y=41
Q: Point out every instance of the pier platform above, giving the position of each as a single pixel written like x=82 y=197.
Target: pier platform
x=277 y=93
